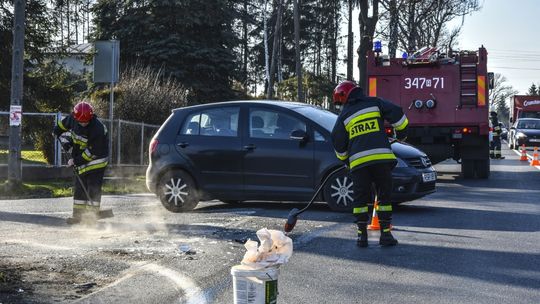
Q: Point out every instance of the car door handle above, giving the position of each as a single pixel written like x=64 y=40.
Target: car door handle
x=182 y=144
x=250 y=147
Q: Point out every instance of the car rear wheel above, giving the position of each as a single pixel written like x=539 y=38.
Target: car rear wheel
x=338 y=191
x=178 y=192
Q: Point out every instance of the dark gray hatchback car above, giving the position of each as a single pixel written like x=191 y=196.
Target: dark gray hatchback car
x=263 y=150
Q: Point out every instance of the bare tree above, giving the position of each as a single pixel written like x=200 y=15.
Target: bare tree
x=297 y=51
x=350 y=38
x=498 y=95
x=393 y=24
x=419 y=23
x=367 y=30
x=274 y=63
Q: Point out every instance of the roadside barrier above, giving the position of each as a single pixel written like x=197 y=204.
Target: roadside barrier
x=534 y=161
x=523 y=153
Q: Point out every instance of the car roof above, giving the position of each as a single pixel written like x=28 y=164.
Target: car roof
x=280 y=103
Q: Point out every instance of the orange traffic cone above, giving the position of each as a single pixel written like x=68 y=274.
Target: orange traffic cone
x=374 y=218
x=534 y=161
x=523 y=154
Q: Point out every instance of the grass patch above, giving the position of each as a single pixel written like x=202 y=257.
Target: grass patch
x=64 y=188
x=27 y=156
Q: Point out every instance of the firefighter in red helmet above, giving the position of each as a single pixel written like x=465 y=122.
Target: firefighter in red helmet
x=86 y=137
x=360 y=140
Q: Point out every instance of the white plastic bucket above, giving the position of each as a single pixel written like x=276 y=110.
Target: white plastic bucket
x=258 y=286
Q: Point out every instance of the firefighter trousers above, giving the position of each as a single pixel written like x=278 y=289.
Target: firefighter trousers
x=369 y=181
x=495 y=147
x=92 y=181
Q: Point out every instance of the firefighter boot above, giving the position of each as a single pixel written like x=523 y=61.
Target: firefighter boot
x=76 y=217
x=362 y=240
x=387 y=239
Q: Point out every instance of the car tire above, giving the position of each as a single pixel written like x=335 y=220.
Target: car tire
x=338 y=191
x=178 y=192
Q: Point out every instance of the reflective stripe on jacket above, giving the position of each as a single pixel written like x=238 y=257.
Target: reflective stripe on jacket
x=359 y=136
x=90 y=144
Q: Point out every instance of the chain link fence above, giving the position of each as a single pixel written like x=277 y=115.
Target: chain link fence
x=38 y=148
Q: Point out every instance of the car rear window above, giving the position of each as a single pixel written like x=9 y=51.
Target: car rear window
x=212 y=122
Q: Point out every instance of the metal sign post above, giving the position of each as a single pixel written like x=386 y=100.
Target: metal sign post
x=106 y=70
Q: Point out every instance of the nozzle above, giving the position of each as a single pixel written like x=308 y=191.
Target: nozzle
x=291 y=220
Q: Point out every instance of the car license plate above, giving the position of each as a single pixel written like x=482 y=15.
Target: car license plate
x=534 y=140
x=429 y=177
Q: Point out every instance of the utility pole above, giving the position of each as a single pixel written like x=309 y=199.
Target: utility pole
x=17 y=75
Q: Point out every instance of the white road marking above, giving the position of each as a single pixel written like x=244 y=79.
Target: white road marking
x=40 y=245
x=193 y=293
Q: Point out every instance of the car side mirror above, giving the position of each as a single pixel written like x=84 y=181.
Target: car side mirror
x=299 y=135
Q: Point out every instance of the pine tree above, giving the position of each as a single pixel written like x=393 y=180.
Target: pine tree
x=533 y=90
x=192 y=41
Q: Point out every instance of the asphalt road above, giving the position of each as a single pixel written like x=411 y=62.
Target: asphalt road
x=473 y=241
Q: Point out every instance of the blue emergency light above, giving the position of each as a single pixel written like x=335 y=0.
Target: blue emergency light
x=377 y=47
x=404 y=55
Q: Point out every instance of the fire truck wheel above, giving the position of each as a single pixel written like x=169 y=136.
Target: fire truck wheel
x=482 y=168
x=467 y=168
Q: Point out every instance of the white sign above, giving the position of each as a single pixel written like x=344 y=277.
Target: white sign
x=531 y=103
x=423 y=82
x=15 y=115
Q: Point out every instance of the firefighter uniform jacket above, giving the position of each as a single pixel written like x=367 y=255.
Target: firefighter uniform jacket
x=496 y=125
x=359 y=135
x=90 y=145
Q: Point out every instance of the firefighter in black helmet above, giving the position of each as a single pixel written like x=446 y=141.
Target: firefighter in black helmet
x=495 y=146
x=360 y=140
x=89 y=145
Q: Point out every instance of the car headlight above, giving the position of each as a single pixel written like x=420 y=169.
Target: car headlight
x=401 y=163
x=520 y=134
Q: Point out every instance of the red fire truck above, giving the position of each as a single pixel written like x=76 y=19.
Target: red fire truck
x=445 y=98
x=524 y=106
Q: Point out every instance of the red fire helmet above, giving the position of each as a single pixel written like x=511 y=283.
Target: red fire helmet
x=342 y=91
x=83 y=112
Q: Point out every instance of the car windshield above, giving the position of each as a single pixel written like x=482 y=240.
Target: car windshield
x=325 y=118
x=529 y=124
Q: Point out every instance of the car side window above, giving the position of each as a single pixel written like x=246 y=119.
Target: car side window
x=319 y=137
x=212 y=122
x=273 y=124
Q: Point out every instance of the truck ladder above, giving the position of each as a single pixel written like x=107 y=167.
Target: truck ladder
x=468 y=76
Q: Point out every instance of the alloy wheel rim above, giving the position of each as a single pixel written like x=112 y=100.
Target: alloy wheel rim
x=342 y=191
x=176 y=191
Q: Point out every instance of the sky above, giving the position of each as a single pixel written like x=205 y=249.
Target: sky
x=509 y=30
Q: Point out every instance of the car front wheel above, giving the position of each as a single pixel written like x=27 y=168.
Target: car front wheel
x=338 y=191
x=178 y=192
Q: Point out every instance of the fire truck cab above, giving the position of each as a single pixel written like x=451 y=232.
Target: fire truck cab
x=445 y=98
